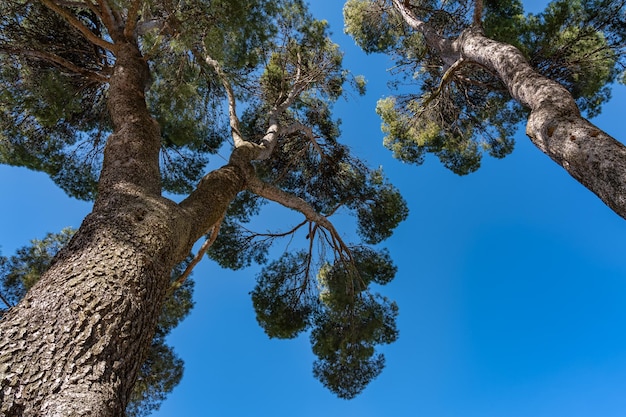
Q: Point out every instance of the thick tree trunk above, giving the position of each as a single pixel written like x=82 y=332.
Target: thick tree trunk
x=555 y=125
x=74 y=345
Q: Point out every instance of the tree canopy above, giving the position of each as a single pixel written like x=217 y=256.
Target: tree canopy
x=87 y=86
x=458 y=108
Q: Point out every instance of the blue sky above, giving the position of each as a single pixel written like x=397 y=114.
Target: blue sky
x=511 y=288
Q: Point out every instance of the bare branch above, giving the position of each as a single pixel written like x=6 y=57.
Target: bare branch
x=77 y=24
x=232 y=103
x=69 y=3
x=293 y=202
x=57 y=60
x=196 y=259
x=298 y=87
x=275 y=235
x=308 y=132
x=5 y=301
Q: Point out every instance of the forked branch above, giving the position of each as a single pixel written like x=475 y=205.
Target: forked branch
x=293 y=202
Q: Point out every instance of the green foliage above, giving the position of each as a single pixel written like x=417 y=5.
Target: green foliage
x=347 y=322
x=580 y=44
x=47 y=114
x=162 y=369
x=305 y=53
x=504 y=20
x=379 y=209
x=21 y=271
x=54 y=120
x=372 y=30
x=458 y=126
x=282 y=297
x=236 y=247
x=344 y=341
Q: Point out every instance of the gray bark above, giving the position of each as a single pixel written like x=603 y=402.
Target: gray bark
x=555 y=125
x=74 y=344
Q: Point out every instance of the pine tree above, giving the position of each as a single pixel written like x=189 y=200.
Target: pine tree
x=481 y=67
x=120 y=102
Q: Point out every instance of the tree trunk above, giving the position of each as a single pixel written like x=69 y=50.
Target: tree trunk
x=555 y=125
x=74 y=344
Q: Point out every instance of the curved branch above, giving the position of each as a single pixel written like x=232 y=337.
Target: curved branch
x=57 y=60
x=293 y=202
x=232 y=102
x=131 y=20
x=77 y=24
x=445 y=79
x=555 y=125
x=441 y=44
x=308 y=132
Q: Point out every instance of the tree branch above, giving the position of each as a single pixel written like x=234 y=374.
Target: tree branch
x=445 y=79
x=232 y=102
x=299 y=85
x=77 y=24
x=196 y=259
x=478 y=13
x=444 y=46
x=555 y=125
x=57 y=60
x=5 y=301
x=296 y=203
x=308 y=132
x=131 y=19
x=107 y=16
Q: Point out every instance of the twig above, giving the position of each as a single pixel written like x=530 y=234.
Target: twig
x=4 y=300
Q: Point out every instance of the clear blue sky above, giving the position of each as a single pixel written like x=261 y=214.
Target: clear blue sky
x=511 y=287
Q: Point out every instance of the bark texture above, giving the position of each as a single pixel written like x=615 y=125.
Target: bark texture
x=75 y=343
x=555 y=125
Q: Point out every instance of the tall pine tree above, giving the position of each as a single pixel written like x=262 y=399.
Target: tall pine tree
x=479 y=67
x=119 y=101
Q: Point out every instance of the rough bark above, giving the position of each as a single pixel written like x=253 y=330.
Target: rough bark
x=74 y=344
x=555 y=125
